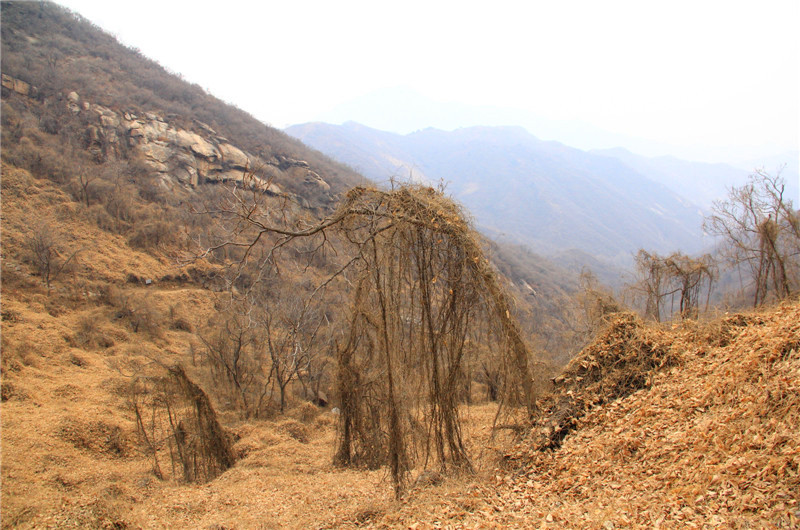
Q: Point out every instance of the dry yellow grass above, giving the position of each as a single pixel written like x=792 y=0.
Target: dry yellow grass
x=102 y=257
x=70 y=452
x=71 y=457
x=713 y=441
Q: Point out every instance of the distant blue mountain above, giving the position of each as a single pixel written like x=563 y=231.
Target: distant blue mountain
x=545 y=195
x=700 y=182
x=403 y=110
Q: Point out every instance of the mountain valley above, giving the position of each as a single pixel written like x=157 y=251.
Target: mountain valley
x=544 y=195
x=211 y=323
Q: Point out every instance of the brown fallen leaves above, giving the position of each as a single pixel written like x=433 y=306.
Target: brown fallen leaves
x=621 y=360
x=713 y=442
x=709 y=442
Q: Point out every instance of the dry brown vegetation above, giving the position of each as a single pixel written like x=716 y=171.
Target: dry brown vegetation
x=761 y=233
x=425 y=304
x=80 y=380
x=172 y=356
x=687 y=425
x=709 y=442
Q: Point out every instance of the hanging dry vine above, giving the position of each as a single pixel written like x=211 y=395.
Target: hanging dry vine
x=177 y=423
x=423 y=284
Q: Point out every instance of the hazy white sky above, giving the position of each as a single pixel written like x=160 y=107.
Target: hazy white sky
x=696 y=72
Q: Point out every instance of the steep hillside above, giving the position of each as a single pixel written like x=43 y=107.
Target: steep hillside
x=147 y=346
x=50 y=53
x=170 y=361
x=73 y=355
x=542 y=194
x=705 y=435
x=107 y=124
x=69 y=351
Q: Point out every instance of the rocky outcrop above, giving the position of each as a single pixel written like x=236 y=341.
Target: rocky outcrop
x=284 y=162
x=17 y=85
x=187 y=156
x=73 y=102
x=234 y=157
x=300 y=170
x=314 y=180
x=183 y=156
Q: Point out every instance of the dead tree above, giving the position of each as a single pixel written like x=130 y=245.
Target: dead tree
x=688 y=275
x=595 y=302
x=44 y=252
x=235 y=355
x=663 y=278
x=291 y=328
x=759 y=229
x=653 y=283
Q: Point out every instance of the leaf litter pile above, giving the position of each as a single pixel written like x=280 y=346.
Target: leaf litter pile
x=690 y=427
x=623 y=359
x=708 y=435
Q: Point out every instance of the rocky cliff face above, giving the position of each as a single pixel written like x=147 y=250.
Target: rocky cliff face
x=189 y=157
x=182 y=156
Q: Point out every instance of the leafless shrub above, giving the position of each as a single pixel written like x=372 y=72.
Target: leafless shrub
x=47 y=252
x=307 y=412
x=596 y=302
x=88 y=332
x=296 y=430
x=43 y=161
x=291 y=327
x=234 y=353
x=138 y=311
x=151 y=234
x=662 y=279
x=119 y=205
x=177 y=424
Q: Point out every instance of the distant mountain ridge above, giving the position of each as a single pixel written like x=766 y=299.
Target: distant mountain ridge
x=701 y=182
x=403 y=110
x=545 y=195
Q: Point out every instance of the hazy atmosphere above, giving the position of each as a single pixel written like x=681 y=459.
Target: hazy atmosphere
x=709 y=81
x=399 y=265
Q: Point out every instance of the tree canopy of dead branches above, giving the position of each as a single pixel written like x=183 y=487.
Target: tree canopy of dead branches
x=663 y=279
x=420 y=286
x=760 y=230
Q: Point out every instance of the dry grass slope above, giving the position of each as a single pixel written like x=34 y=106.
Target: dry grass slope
x=71 y=453
x=694 y=425
x=711 y=443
